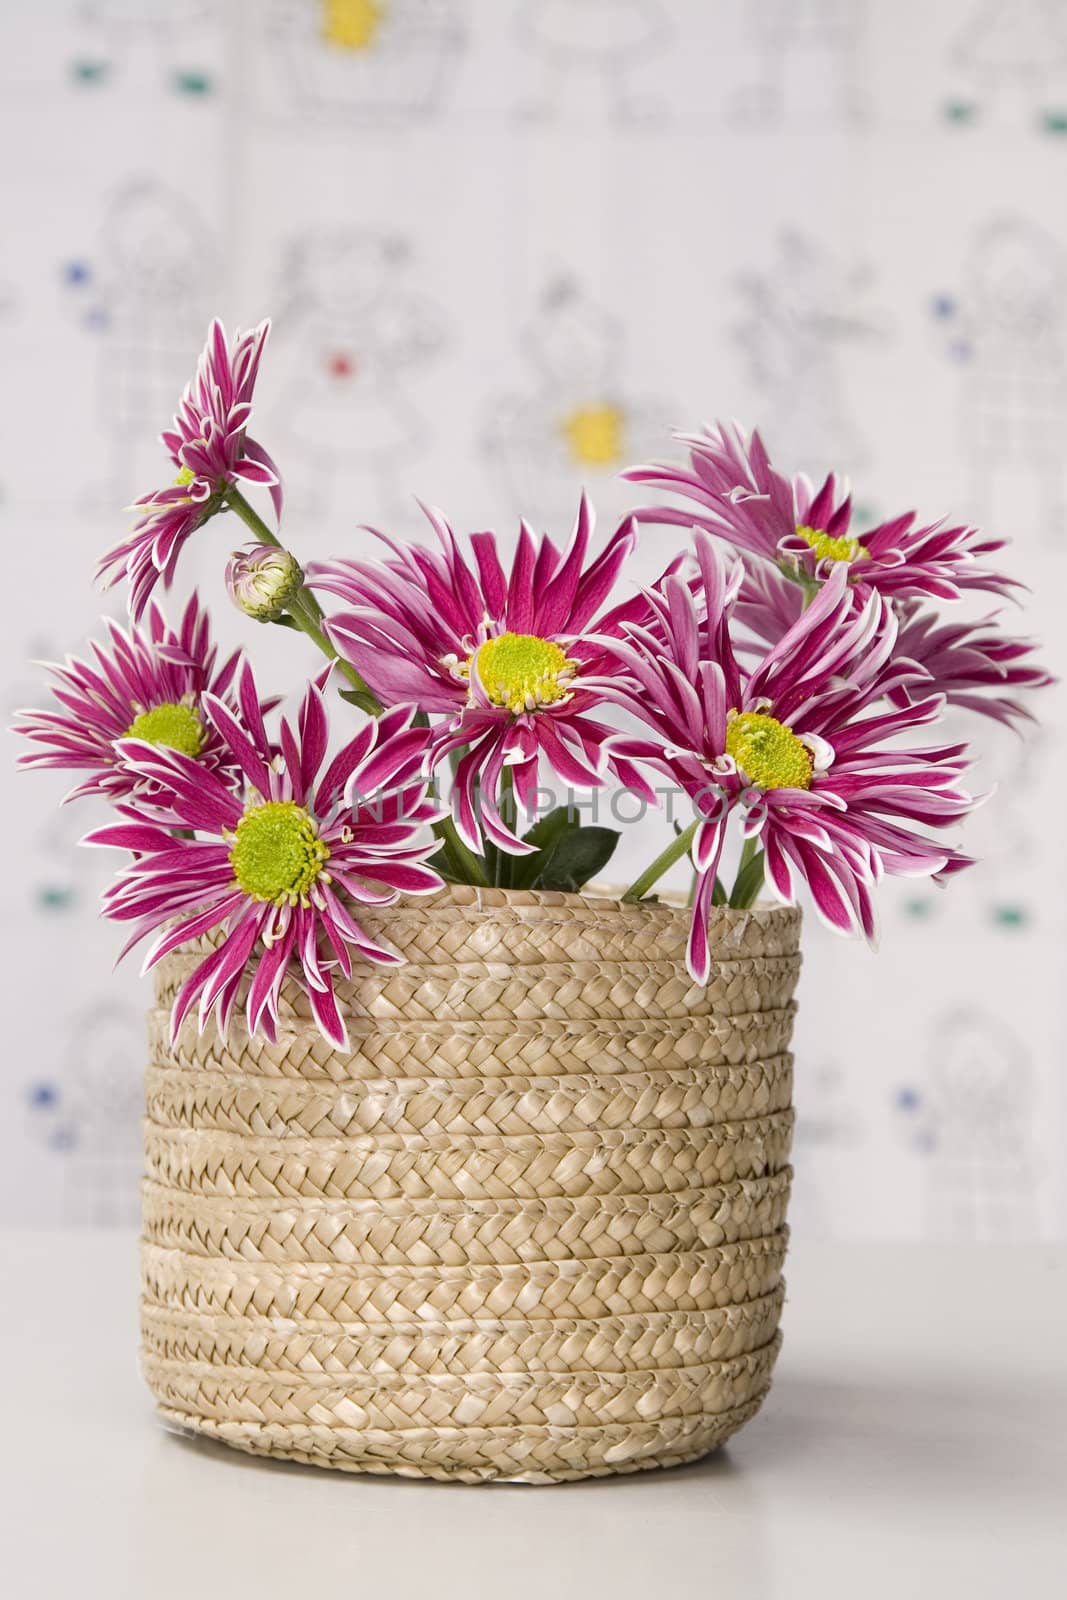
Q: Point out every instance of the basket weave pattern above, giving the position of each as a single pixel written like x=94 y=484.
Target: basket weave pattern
x=531 y=1226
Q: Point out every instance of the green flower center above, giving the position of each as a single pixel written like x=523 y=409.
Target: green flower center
x=174 y=724
x=767 y=752
x=829 y=549
x=277 y=854
x=522 y=671
x=184 y=478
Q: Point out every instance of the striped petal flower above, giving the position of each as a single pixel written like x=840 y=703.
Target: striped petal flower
x=278 y=871
x=808 y=532
x=802 y=742
x=209 y=446
x=975 y=664
x=148 y=683
x=506 y=656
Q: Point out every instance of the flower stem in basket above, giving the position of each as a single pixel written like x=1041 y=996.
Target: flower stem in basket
x=651 y=875
x=749 y=880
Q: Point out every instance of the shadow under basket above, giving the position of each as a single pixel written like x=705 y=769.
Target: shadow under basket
x=531 y=1226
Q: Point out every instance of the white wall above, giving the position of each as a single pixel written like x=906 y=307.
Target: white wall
x=841 y=219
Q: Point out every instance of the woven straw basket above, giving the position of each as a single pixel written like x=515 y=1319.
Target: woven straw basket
x=531 y=1227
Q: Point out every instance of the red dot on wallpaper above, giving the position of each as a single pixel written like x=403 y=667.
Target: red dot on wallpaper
x=340 y=365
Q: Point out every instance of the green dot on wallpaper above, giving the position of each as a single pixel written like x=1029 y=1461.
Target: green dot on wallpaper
x=193 y=84
x=1011 y=916
x=89 y=72
x=55 y=897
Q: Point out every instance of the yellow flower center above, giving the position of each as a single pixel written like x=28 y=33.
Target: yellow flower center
x=277 y=854
x=174 y=724
x=829 y=549
x=184 y=478
x=768 y=753
x=522 y=671
x=595 y=434
x=352 y=24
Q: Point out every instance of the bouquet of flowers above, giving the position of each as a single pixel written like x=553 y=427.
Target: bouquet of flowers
x=776 y=675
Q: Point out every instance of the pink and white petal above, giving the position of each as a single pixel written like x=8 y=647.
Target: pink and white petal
x=326 y=1013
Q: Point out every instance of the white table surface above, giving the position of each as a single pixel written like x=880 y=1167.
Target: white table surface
x=914 y=1444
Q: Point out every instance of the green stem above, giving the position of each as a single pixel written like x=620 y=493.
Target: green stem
x=304 y=609
x=307 y=614
x=499 y=862
x=468 y=868
x=674 y=852
x=250 y=517
x=749 y=880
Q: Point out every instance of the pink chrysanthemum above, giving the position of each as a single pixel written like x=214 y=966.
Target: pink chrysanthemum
x=809 y=533
x=211 y=450
x=282 y=870
x=505 y=656
x=149 y=685
x=796 y=741
x=973 y=663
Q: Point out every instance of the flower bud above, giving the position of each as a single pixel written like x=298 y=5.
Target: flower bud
x=262 y=581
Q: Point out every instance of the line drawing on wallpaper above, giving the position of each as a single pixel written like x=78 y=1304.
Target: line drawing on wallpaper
x=146 y=298
x=575 y=422
x=63 y=879
x=826 y=1125
x=807 y=61
x=146 y=42
x=351 y=339
x=366 y=61
x=1009 y=875
x=798 y=316
x=602 y=43
x=1005 y=889
x=87 y=1111
x=1010 y=58
x=1006 y=332
x=971 y=1124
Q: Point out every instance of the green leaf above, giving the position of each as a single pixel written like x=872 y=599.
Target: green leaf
x=442 y=863
x=577 y=855
x=567 y=855
x=545 y=834
x=356 y=697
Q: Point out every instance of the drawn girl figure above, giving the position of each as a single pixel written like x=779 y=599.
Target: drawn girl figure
x=807 y=60
x=604 y=41
x=798 y=318
x=1014 y=53
x=1007 y=334
x=578 y=424
x=147 y=303
x=972 y=1127
x=350 y=341
x=151 y=41
x=90 y=1114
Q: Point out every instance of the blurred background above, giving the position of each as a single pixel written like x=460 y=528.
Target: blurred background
x=508 y=245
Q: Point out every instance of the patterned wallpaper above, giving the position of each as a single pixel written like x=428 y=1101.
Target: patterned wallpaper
x=507 y=245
